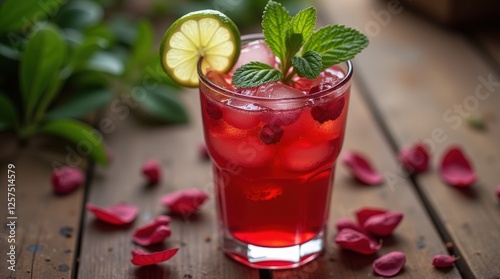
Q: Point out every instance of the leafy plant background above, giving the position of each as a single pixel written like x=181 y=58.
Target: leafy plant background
x=61 y=60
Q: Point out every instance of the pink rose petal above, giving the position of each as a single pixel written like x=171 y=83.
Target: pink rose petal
x=443 y=260
x=415 y=158
x=344 y=223
x=185 y=201
x=389 y=264
x=383 y=224
x=118 y=214
x=152 y=170
x=141 y=258
x=455 y=168
x=361 y=168
x=350 y=239
x=67 y=179
x=153 y=232
x=364 y=213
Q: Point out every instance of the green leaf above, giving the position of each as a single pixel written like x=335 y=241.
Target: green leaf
x=336 y=43
x=254 y=74
x=40 y=64
x=85 y=51
x=81 y=104
x=9 y=52
x=164 y=104
x=8 y=113
x=123 y=29
x=309 y=65
x=18 y=15
x=141 y=49
x=79 y=134
x=107 y=62
x=79 y=14
x=299 y=29
x=274 y=23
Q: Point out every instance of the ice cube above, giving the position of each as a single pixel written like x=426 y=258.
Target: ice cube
x=277 y=90
x=240 y=148
x=255 y=51
x=241 y=114
x=220 y=79
x=304 y=156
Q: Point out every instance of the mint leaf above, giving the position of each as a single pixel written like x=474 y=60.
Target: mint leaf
x=309 y=65
x=254 y=74
x=274 y=23
x=336 y=43
x=299 y=29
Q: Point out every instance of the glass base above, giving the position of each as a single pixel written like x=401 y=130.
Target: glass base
x=273 y=258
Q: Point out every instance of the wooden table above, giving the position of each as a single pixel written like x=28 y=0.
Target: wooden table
x=408 y=83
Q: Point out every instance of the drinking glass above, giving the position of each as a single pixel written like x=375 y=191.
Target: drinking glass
x=274 y=163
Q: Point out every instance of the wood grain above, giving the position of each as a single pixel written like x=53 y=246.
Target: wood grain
x=106 y=249
x=47 y=225
x=424 y=83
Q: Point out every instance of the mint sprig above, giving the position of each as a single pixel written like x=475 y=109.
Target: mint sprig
x=301 y=50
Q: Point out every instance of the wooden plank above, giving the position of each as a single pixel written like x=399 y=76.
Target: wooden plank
x=106 y=249
x=416 y=236
x=47 y=225
x=489 y=38
x=425 y=82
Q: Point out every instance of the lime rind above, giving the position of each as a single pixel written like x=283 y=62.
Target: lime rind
x=206 y=34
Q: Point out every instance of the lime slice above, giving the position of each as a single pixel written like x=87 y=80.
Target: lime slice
x=206 y=34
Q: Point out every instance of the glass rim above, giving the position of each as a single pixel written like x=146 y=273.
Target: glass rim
x=257 y=36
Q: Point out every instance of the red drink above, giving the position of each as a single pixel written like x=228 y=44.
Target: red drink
x=274 y=150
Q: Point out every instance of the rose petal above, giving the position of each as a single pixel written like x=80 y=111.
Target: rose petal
x=67 y=179
x=498 y=191
x=344 y=223
x=152 y=170
x=185 y=201
x=141 y=258
x=153 y=232
x=355 y=241
x=361 y=168
x=118 y=214
x=203 y=151
x=366 y=212
x=415 y=158
x=456 y=170
x=443 y=260
x=389 y=264
x=383 y=224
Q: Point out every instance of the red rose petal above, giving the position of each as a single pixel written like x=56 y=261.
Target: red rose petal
x=153 y=232
x=203 y=151
x=185 y=201
x=415 y=158
x=389 y=264
x=344 y=223
x=141 y=258
x=361 y=168
x=366 y=212
x=456 y=170
x=66 y=179
x=118 y=214
x=443 y=260
x=383 y=224
x=152 y=170
x=355 y=241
